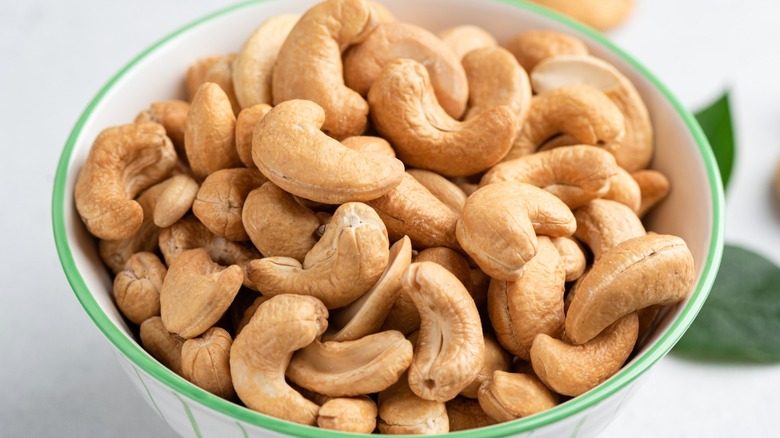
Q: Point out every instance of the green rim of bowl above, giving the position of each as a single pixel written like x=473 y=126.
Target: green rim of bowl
x=579 y=404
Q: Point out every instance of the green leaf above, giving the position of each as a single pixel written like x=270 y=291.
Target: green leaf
x=741 y=319
x=716 y=122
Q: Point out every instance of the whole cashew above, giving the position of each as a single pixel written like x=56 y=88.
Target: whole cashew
x=364 y=63
x=640 y=272
x=605 y=224
x=206 y=362
x=254 y=64
x=161 y=344
x=309 y=66
x=636 y=149
x=402 y=412
x=601 y=14
x=465 y=414
x=508 y=396
x=574 y=369
x=572 y=255
x=465 y=38
x=450 y=349
x=496 y=358
x=209 y=135
x=405 y=111
x=346 y=262
x=500 y=222
x=245 y=126
x=440 y=187
x=575 y=174
x=367 y=143
x=653 y=185
x=533 y=46
x=123 y=161
x=624 y=189
x=172 y=115
x=261 y=352
x=220 y=201
x=137 y=287
x=293 y=153
x=357 y=415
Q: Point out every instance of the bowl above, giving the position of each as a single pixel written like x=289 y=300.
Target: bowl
x=694 y=210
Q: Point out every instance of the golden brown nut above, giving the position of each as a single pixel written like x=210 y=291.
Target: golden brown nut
x=654 y=187
x=402 y=412
x=605 y=224
x=496 y=358
x=196 y=74
x=368 y=143
x=357 y=415
x=508 y=396
x=443 y=189
x=624 y=189
x=206 y=362
x=221 y=73
x=209 y=135
x=572 y=255
x=533 y=46
x=161 y=344
x=172 y=115
x=220 y=201
x=465 y=38
x=465 y=414
x=137 y=287
x=245 y=126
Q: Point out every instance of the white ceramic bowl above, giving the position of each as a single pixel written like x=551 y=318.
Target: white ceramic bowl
x=694 y=210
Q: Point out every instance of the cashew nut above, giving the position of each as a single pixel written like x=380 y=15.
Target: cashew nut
x=605 y=224
x=533 y=46
x=402 y=412
x=161 y=344
x=209 y=135
x=309 y=66
x=465 y=414
x=465 y=38
x=172 y=115
x=174 y=199
x=640 y=272
x=261 y=352
x=196 y=74
x=654 y=187
x=574 y=369
x=221 y=73
x=367 y=143
x=137 y=287
x=440 y=187
x=403 y=316
x=346 y=262
x=601 y=14
x=357 y=415
x=250 y=312
x=572 y=255
x=123 y=161
x=220 y=201
x=245 y=126
x=500 y=222
x=496 y=358
x=405 y=111
x=624 y=189
x=206 y=362
x=293 y=153
x=508 y=396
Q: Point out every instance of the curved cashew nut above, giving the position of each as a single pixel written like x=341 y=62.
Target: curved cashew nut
x=573 y=257
x=206 y=362
x=508 y=396
x=309 y=66
x=450 y=349
x=574 y=369
x=364 y=63
x=254 y=63
x=445 y=190
x=533 y=46
x=575 y=174
x=406 y=112
x=293 y=153
x=173 y=199
x=172 y=115
x=368 y=143
x=220 y=201
x=636 y=148
x=137 y=287
x=161 y=344
x=403 y=412
x=246 y=121
x=605 y=224
x=209 y=135
x=601 y=14
x=533 y=304
x=465 y=38
x=624 y=189
x=343 y=369
x=654 y=187
x=123 y=161
x=465 y=414
x=640 y=272
x=356 y=415
x=496 y=358
x=261 y=352
x=196 y=293
x=500 y=222
x=346 y=262
x=455 y=262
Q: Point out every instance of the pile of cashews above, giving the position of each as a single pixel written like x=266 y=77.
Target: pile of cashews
x=478 y=260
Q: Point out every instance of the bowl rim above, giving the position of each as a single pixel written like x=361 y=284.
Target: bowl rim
x=140 y=359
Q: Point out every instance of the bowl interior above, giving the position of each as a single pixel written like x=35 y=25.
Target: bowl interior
x=692 y=211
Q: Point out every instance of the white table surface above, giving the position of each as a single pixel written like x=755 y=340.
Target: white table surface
x=58 y=375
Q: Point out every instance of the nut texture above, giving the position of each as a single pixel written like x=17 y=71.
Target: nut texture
x=162 y=345
x=654 y=187
x=209 y=135
x=465 y=414
x=357 y=415
x=403 y=412
x=508 y=396
x=496 y=358
x=605 y=224
x=206 y=362
x=533 y=46
x=245 y=126
x=465 y=38
x=137 y=287
x=443 y=189
x=220 y=201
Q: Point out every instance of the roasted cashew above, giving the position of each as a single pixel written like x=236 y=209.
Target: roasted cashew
x=381 y=12
x=346 y=262
x=636 y=148
x=508 y=396
x=440 y=187
x=624 y=189
x=465 y=38
x=496 y=358
x=123 y=161
x=261 y=352
x=405 y=111
x=450 y=349
x=653 y=185
x=293 y=153
x=173 y=199
x=250 y=312
x=209 y=135
x=402 y=412
x=245 y=126
x=640 y=272
x=403 y=316
x=356 y=415
x=572 y=255
x=500 y=222
x=605 y=224
x=137 y=287
x=344 y=369
x=533 y=46
x=367 y=143
x=220 y=201
x=277 y=224
x=364 y=63
x=309 y=66
x=574 y=174
x=254 y=64
x=601 y=14
x=465 y=414
x=196 y=74
x=533 y=304
x=574 y=369
x=161 y=344
x=221 y=73
x=172 y=115
x=206 y=362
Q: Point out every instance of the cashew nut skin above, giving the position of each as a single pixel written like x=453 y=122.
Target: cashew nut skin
x=209 y=135
x=123 y=161
x=574 y=174
x=443 y=189
x=245 y=125
x=500 y=222
x=261 y=352
x=403 y=316
x=277 y=224
x=206 y=362
x=532 y=304
x=605 y=224
x=640 y=272
x=580 y=111
x=357 y=415
x=624 y=189
x=573 y=257
x=172 y=115
x=161 y=344
x=174 y=200
x=466 y=413
x=533 y=46
x=350 y=368
x=292 y=152
x=405 y=111
x=601 y=14
x=496 y=358
x=574 y=369
x=364 y=63
x=220 y=201
x=254 y=64
x=508 y=396
x=450 y=349
x=368 y=143
x=221 y=73
x=654 y=187
x=466 y=38
x=137 y=287
x=309 y=65
x=403 y=412
x=346 y=262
